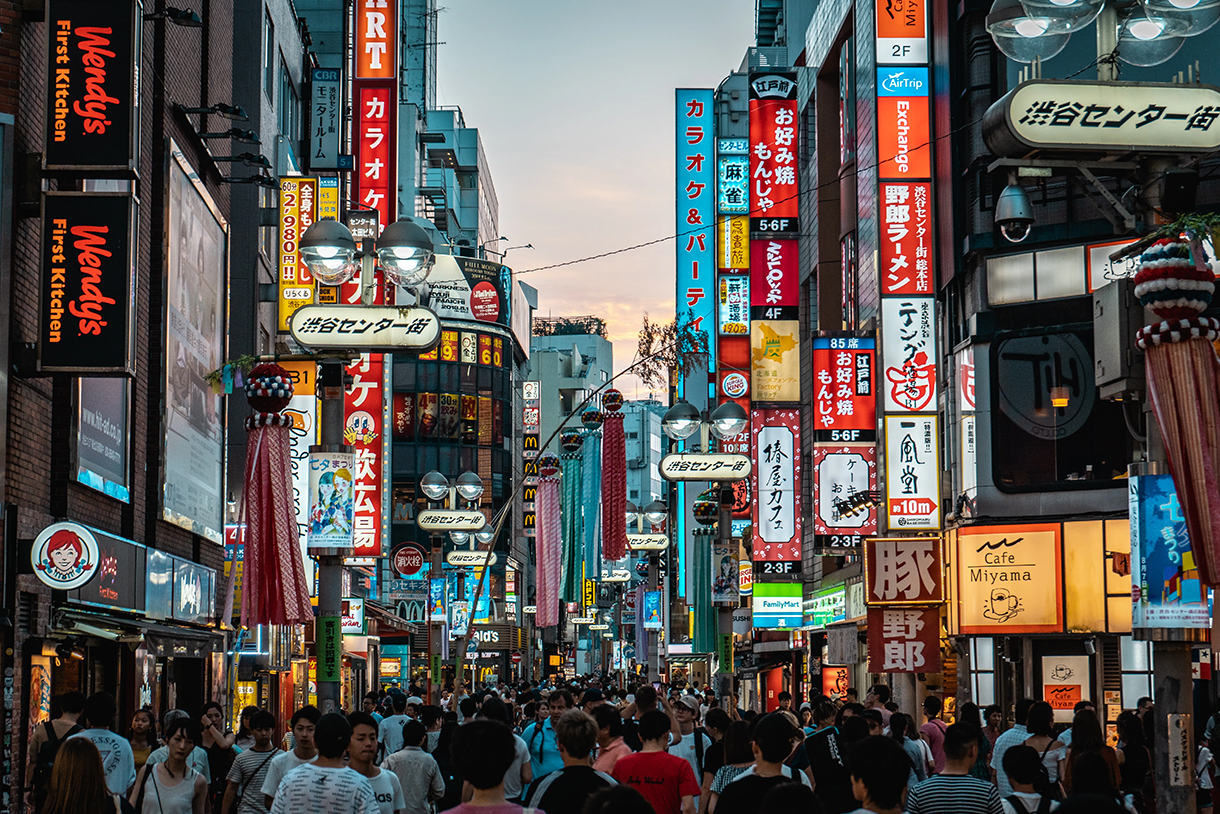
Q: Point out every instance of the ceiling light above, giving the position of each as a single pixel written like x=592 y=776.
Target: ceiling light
x=1196 y=15
x=1074 y=14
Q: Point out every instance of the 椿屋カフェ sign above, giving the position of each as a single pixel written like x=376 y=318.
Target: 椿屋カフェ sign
x=93 y=69
x=1049 y=114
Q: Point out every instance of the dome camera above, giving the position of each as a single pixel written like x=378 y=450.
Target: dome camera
x=1013 y=213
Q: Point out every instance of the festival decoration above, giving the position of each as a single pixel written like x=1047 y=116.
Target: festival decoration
x=273 y=579
x=707 y=507
x=548 y=542
x=573 y=528
x=590 y=492
x=614 y=478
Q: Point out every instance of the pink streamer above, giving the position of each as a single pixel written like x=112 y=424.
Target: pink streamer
x=549 y=544
x=614 y=489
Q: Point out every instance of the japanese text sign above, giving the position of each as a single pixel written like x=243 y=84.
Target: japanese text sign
x=298 y=211
x=774 y=287
x=902 y=32
x=773 y=147
x=376 y=145
x=1166 y=589
x=733 y=318
x=777 y=605
x=733 y=184
x=775 y=481
x=840 y=473
x=1009 y=579
x=904 y=640
x=845 y=388
x=908 y=346
x=376 y=41
x=775 y=354
x=912 y=472
x=365 y=431
x=326 y=112
x=904 y=134
x=903 y=571
x=330 y=500
x=733 y=242
x=695 y=172
x=906 y=239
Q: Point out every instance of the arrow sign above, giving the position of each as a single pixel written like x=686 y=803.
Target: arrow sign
x=366 y=328
x=446 y=520
x=717 y=466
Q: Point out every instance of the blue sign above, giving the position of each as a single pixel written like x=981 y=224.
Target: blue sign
x=733 y=190
x=652 y=610
x=1166 y=589
x=695 y=171
x=906 y=81
x=733 y=146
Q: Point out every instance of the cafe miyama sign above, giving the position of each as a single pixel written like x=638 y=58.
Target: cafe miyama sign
x=1111 y=117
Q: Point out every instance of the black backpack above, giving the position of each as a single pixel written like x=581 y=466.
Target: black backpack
x=1044 y=805
x=46 y=761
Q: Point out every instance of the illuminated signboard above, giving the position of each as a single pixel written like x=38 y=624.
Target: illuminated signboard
x=695 y=172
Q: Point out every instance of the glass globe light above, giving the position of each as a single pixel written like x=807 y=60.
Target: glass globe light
x=1023 y=37
x=1197 y=15
x=632 y=511
x=405 y=252
x=485 y=535
x=680 y=421
x=1145 y=41
x=728 y=420
x=1075 y=14
x=459 y=537
x=434 y=485
x=329 y=252
x=470 y=486
x=656 y=512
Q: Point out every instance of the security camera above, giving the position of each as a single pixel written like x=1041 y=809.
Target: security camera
x=1013 y=213
x=1089 y=647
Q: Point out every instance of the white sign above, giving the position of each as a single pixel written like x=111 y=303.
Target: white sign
x=777 y=482
x=1065 y=680
x=599 y=627
x=705 y=466
x=908 y=348
x=353 y=615
x=461 y=559
x=583 y=620
x=369 y=328
x=839 y=476
x=647 y=542
x=1120 y=116
x=445 y=520
x=617 y=575
x=304 y=433
x=529 y=610
x=531 y=391
x=912 y=472
x=64 y=556
x=743 y=620
x=1181 y=751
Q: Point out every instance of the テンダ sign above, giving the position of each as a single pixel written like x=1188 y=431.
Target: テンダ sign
x=1048 y=114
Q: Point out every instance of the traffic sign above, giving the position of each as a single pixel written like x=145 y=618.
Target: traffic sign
x=366 y=328
x=516 y=658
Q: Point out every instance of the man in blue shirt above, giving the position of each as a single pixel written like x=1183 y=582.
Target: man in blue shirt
x=544 y=748
x=1006 y=740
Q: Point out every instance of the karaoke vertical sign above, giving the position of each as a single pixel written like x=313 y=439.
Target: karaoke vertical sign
x=695 y=208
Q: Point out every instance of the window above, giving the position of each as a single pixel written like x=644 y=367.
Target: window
x=851 y=300
x=847 y=102
x=982 y=670
x=289 y=106
x=268 y=54
x=654 y=443
x=1136 y=663
x=1044 y=275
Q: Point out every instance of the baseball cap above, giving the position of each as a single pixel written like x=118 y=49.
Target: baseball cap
x=593 y=694
x=415 y=699
x=690 y=701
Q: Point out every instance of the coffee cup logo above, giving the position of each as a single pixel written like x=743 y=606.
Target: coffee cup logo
x=1002 y=605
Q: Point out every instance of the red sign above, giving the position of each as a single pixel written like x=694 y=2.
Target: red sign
x=408 y=560
x=485 y=302
x=904 y=640
x=773 y=149
x=835 y=681
x=376 y=49
x=1062 y=696
x=904 y=148
x=903 y=571
x=906 y=239
x=404 y=416
x=774 y=269
x=844 y=395
x=775 y=481
x=516 y=657
x=365 y=431
x=904 y=19
x=375 y=181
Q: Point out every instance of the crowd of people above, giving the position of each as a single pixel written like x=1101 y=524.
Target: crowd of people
x=585 y=749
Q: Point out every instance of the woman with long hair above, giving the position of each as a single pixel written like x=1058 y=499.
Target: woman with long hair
x=142 y=736
x=172 y=787
x=1040 y=723
x=1087 y=738
x=78 y=783
x=968 y=713
x=244 y=738
x=738 y=756
x=1135 y=761
x=218 y=743
x=444 y=760
x=900 y=726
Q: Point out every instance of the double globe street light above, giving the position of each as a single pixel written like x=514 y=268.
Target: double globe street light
x=333 y=256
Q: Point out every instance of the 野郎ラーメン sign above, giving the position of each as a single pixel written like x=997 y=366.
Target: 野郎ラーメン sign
x=906 y=239
x=93 y=60
x=88 y=283
x=903 y=571
x=904 y=640
x=695 y=171
x=1009 y=579
x=1050 y=114
x=912 y=471
x=65 y=556
x=776 y=484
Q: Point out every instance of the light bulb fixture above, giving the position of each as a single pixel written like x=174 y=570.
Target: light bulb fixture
x=1148 y=40
x=485 y=535
x=1197 y=15
x=459 y=537
x=680 y=421
x=329 y=251
x=1074 y=14
x=234 y=133
x=1025 y=37
x=656 y=512
x=469 y=486
x=728 y=420
x=632 y=512
x=405 y=252
x=1059 y=397
x=434 y=485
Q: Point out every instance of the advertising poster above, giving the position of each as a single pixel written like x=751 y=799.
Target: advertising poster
x=839 y=474
x=695 y=193
x=195 y=290
x=725 y=576
x=1010 y=579
x=469 y=289
x=734 y=300
x=652 y=610
x=235 y=558
x=102 y=436
x=436 y=600
x=777 y=605
x=429 y=408
x=460 y=623
x=773 y=151
x=904 y=640
x=366 y=408
x=331 y=500
x=912 y=472
x=298 y=211
x=1065 y=681
x=87 y=283
x=775 y=480
x=450 y=415
x=303 y=407
x=775 y=360
x=404 y=416
x=1166 y=589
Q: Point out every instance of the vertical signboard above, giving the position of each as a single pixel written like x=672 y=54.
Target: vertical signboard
x=908 y=346
x=695 y=169
x=906 y=240
x=298 y=211
x=840 y=472
x=1166 y=589
x=902 y=34
x=774 y=321
x=733 y=243
x=102 y=436
x=93 y=69
x=531 y=396
x=1009 y=579
x=326 y=111
x=376 y=147
x=365 y=431
x=912 y=472
x=733 y=176
x=775 y=480
x=376 y=49
x=903 y=571
x=904 y=640
x=773 y=151
x=904 y=131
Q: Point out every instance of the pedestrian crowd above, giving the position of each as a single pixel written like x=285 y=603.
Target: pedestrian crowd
x=585 y=749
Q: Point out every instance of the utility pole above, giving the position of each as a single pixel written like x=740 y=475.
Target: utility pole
x=328 y=637
x=435 y=629
x=724 y=679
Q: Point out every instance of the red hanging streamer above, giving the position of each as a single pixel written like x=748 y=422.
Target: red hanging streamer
x=614 y=488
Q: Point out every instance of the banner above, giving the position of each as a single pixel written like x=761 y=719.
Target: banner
x=652 y=610
x=375 y=183
x=1166 y=589
x=298 y=211
x=88 y=276
x=325 y=114
x=775 y=480
x=331 y=500
x=1010 y=579
x=725 y=575
x=903 y=571
x=436 y=600
x=366 y=408
x=469 y=289
x=773 y=152
x=904 y=640
x=912 y=472
x=844 y=388
x=102 y=436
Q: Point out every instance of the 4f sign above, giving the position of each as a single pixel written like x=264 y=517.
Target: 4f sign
x=375 y=39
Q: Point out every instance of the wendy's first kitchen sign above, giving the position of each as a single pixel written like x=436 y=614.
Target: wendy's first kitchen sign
x=87 y=283
x=93 y=77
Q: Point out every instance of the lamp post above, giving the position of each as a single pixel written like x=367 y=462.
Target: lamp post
x=727 y=421
x=655 y=513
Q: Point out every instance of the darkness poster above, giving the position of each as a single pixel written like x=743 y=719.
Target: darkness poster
x=87 y=291
x=93 y=51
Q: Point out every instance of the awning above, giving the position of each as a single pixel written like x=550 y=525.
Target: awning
x=161 y=640
x=385 y=619
x=688 y=658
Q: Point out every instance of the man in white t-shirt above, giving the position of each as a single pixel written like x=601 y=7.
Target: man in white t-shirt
x=325 y=785
x=389 y=732
x=304 y=721
x=360 y=753
x=694 y=745
x=117 y=759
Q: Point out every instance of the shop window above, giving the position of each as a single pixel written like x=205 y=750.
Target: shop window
x=1136 y=663
x=1029 y=276
x=982 y=670
x=404 y=376
x=428 y=377
x=449 y=378
x=485 y=378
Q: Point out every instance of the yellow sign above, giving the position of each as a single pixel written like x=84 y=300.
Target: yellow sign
x=555 y=661
x=590 y=594
x=775 y=360
x=1010 y=580
x=304 y=376
x=733 y=242
x=298 y=210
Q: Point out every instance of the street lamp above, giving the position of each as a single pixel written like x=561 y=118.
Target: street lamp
x=331 y=253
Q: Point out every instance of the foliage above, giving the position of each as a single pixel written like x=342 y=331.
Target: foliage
x=669 y=350
x=569 y=326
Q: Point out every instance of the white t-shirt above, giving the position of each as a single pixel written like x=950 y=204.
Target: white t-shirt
x=197 y=759
x=512 y=778
x=279 y=768
x=389 y=732
x=1029 y=801
x=685 y=749
x=117 y=759
x=1202 y=769
x=317 y=790
x=388 y=792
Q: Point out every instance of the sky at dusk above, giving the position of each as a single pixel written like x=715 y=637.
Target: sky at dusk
x=574 y=102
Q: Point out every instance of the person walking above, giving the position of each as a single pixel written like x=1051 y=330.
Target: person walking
x=695 y=743
x=827 y=754
x=218 y=743
x=244 y=782
x=389 y=732
x=117 y=759
x=197 y=759
x=877 y=697
x=716 y=723
x=954 y=791
x=361 y=751
x=171 y=786
x=610 y=743
x=539 y=737
x=520 y=773
x=567 y=790
x=142 y=736
x=878 y=775
x=78 y=784
x=1011 y=737
x=325 y=785
x=1023 y=765
x=899 y=728
x=418 y=774
x=933 y=732
x=665 y=780
x=1040 y=723
x=482 y=752
x=738 y=756
x=244 y=739
x=771 y=744
x=1087 y=738
x=45 y=744
x=304 y=724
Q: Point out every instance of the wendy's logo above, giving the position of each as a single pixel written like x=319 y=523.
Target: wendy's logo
x=65 y=556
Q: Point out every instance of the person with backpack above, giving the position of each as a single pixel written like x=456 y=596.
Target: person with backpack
x=540 y=737
x=695 y=743
x=1040 y=722
x=45 y=743
x=1024 y=769
x=243 y=794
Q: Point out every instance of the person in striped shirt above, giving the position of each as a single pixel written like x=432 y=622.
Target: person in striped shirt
x=954 y=791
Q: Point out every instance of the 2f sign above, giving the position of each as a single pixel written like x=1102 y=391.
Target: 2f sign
x=375 y=39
